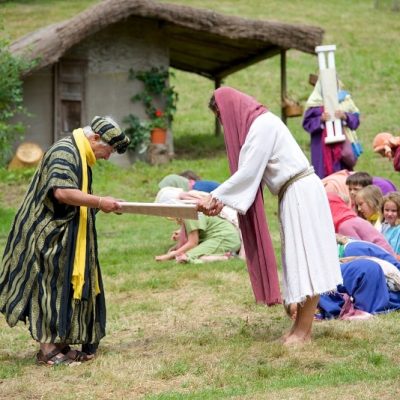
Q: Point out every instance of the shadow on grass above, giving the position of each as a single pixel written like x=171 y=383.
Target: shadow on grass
x=199 y=146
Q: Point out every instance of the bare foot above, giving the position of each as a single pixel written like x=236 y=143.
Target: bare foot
x=285 y=336
x=182 y=258
x=300 y=333
x=292 y=339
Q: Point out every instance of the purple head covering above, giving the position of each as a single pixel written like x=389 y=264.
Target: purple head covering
x=384 y=184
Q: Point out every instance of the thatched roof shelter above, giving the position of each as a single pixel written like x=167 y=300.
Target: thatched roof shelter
x=199 y=40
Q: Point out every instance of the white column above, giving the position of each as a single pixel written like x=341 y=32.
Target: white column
x=329 y=87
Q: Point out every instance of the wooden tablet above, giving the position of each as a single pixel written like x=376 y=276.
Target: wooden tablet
x=185 y=211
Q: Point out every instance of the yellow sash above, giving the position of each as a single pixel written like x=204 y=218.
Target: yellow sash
x=78 y=275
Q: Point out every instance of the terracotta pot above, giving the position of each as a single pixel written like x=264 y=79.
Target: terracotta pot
x=158 y=136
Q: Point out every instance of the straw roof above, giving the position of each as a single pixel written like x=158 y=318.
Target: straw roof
x=200 y=41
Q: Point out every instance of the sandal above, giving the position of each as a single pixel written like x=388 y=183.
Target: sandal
x=76 y=355
x=51 y=359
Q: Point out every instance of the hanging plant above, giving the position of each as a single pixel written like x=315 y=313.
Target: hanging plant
x=138 y=132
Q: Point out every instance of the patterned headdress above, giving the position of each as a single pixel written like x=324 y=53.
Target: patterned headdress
x=110 y=133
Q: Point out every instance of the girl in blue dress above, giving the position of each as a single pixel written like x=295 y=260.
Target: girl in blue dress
x=391 y=220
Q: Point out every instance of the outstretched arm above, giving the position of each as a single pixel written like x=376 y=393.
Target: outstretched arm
x=75 y=197
x=193 y=241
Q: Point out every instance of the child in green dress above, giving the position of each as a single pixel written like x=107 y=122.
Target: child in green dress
x=202 y=240
x=207 y=239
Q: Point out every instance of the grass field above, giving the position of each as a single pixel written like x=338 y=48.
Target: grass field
x=195 y=332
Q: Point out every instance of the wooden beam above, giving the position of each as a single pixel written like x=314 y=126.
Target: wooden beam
x=245 y=62
x=283 y=84
x=217 y=84
x=214 y=47
x=189 y=68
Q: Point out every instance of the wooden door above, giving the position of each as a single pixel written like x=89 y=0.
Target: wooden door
x=70 y=77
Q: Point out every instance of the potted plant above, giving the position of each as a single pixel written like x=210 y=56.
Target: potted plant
x=159 y=125
x=155 y=88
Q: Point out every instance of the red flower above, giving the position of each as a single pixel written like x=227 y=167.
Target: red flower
x=159 y=113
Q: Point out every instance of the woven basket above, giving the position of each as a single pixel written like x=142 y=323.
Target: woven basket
x=294 y=110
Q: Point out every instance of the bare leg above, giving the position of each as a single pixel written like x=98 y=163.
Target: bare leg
x=301 y=330
x=164 y=257
x=215 y=257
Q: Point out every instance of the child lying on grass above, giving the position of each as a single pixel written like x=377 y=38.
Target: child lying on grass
x=203 y=240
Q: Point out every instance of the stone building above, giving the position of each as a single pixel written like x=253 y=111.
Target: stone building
x=82 y=64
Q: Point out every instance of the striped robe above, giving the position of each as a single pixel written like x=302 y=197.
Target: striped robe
x=35 y=275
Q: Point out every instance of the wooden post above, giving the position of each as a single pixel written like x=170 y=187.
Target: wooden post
x=283 y=85
x=217 y=84
x=55 y=109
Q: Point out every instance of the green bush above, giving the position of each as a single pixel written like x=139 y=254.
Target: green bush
x=138 y=132
x=10 y=100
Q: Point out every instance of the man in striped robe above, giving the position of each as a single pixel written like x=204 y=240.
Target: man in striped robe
x=50 y=273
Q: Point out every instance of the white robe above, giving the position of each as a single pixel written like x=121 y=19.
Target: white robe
x=271 y=155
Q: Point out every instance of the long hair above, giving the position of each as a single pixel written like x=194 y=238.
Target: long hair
x=394 y=197
x=372 y=195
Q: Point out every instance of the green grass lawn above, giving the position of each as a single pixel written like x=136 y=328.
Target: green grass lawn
x=195 y=332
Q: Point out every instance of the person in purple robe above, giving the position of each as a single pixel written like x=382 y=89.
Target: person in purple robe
x=329 y=158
